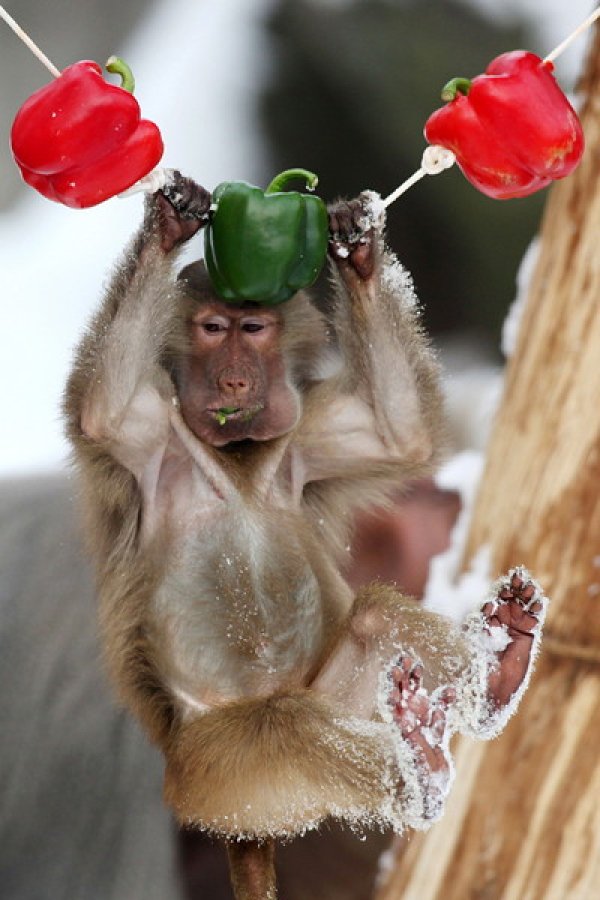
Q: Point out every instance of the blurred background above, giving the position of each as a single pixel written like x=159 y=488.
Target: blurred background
x=242 y=89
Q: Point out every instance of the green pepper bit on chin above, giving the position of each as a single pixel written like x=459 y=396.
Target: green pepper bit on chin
x=223 y=414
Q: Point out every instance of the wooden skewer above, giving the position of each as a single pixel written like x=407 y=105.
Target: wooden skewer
x=28 y=42
x=435 y=160
x=573 y=36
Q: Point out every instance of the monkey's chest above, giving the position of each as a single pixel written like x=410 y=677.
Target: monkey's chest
x=240 y=606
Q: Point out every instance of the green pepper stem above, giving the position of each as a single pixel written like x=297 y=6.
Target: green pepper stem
x=281 y=180
x=119 y=67
x=456 y=86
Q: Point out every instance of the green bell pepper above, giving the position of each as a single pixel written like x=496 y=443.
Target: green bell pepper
x=264 y=246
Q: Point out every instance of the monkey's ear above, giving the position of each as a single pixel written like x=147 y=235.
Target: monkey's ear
x=195 y=280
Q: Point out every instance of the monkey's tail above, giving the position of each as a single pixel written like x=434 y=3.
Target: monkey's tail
x=252 y=869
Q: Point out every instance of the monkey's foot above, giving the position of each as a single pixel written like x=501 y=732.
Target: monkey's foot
x=511 y=620
x=507 y=632
x=422 y=721
x=353 y=225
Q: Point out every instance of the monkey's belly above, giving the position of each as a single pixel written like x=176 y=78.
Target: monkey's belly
x=240 y=608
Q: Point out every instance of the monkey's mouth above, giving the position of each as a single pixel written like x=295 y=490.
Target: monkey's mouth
x=225 y=414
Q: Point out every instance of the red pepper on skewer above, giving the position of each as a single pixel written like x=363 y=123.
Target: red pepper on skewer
x=80 y=140
x=512 y=129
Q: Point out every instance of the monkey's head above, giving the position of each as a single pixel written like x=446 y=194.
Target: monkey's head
x=244 y=368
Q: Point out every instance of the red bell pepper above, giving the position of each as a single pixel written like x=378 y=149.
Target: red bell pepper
x=512 y=130
x=80 y=140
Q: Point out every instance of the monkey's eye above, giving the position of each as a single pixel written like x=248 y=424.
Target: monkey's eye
x=252 y=327
x=213 y=326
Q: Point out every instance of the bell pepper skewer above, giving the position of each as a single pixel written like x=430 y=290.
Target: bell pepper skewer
x=435 y=166
x=28 y=42
x=84 y=182
x=80 y=140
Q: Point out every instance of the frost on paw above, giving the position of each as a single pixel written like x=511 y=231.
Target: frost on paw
x=423 y=764
x=504 y=637
x=374 y=210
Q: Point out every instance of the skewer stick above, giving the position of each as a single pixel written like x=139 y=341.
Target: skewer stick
x=28 y=42
x=573 y=36
x=435 y=160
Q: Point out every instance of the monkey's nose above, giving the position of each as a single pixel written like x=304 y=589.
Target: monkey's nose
x=234 y=384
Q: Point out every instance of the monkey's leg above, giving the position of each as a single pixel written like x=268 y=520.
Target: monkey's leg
x=382 y=626
x=252 y=869
x=397 y=664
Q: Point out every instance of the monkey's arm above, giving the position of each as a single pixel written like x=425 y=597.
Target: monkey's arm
x=385 y=405
x=124 y=393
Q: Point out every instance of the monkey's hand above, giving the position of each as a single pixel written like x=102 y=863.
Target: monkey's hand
x=354 y=228
x=182 y=208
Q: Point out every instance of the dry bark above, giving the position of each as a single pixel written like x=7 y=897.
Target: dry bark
x=523 y=821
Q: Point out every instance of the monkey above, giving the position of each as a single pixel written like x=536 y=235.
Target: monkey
x=222 y=451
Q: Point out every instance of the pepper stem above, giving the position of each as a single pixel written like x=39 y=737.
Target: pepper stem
x=119 y=67
x=281 y=180
x=456 y=86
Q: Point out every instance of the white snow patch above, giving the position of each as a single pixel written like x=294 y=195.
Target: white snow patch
x=385 y=866
x=448 y=591
x=496 y=640
x=472 y=397
x=512 y=323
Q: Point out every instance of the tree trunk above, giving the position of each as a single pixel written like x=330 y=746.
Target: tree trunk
x=523 y=821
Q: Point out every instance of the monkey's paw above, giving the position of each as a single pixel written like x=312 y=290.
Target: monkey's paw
x=183 y=208
x=353 y=228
